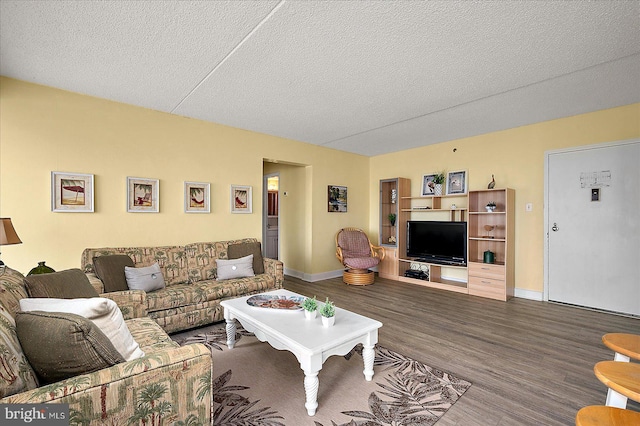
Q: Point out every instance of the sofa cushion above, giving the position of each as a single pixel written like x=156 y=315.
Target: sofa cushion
x=237 y=251
x=104 y=313
x=235 y=268
x=62 y=345
x=110 y=270
x=148 y=278
x=69 y=284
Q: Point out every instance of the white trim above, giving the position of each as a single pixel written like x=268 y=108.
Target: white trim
x=523 y=293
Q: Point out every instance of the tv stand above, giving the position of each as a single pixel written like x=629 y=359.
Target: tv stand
x=435 y=279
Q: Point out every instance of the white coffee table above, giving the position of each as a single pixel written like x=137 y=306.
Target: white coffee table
x=308 y=340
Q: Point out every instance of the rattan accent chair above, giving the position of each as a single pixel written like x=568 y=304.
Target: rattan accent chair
x=357 y=254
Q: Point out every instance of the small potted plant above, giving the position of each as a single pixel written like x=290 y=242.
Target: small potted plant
x=310 y=306
x=328 y=312
x=491 y=206
x=438 y=180
x=392 y=218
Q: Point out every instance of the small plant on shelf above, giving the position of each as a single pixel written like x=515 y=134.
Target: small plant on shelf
x=439 y=178
x=392 y=218
x=491 y=206
x=328 y=309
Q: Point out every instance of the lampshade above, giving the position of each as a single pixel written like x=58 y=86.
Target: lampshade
x=8 y=234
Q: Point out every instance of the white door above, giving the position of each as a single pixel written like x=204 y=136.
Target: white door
x=593 y=227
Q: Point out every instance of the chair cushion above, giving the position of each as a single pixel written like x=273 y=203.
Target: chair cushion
x=63 y=345
x=148 y=278
x=361 y=262
x=354 y=244
x=235 y=268
x=69 y=284
x=236 y=251
x=104 y=313
x=110 y=270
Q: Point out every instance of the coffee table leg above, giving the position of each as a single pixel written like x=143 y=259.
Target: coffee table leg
x=311 y=384
x=231 y=332
x=368 y=355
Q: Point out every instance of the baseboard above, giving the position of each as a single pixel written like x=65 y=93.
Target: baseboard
x=528 y=294
x=313 y=277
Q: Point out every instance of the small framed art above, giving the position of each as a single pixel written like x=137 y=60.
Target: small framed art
x=197 y=197
x=241 y=197
x=337 y=196
x=143 y=195
x=71 y=192
x=457 y=182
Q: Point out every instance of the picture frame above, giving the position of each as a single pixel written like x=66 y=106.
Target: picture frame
x=457 y=182
x=241 y=199
x=197 y=197
x=428 y=187
x=337 y=199
x=143 y=195
x=72 y=192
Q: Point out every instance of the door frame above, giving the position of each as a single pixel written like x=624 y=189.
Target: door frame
x=265 y=210
x=547 y=154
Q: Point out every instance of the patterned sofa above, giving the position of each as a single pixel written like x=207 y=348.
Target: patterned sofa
x=192 y=295
x=170 y=384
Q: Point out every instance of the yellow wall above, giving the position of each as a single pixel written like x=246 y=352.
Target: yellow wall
x=516 y=158
x=44 y=129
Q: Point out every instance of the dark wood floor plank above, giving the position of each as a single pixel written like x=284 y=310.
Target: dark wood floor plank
x=531 y=363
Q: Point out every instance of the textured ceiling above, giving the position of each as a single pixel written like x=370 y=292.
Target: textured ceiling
x=368 y=77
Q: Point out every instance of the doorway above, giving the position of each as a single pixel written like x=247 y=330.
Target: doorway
x=592 y=232
x=271 y=215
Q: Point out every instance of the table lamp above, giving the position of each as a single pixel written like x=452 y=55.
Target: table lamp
x=8 y=236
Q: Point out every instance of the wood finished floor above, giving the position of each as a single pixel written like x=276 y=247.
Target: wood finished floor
x=531 y=363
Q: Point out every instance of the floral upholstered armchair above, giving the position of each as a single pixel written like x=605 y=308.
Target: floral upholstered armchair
x=357 y=254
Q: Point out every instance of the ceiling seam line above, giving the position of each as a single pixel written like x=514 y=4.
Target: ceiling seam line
x=228 y=55
x=476 y=100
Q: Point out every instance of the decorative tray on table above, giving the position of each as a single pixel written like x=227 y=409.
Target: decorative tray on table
x=287 y=303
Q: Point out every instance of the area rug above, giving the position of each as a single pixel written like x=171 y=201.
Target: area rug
x=255 y=384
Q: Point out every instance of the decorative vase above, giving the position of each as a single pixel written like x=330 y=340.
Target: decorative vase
x=41 y=269
x=310 y=314
x=328 y=321
x=489 y=256
x=490 y=208
x=437 y=189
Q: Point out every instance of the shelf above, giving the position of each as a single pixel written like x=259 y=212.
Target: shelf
x=427 y=197
x=488 y=239
x=486 y=213
x=434 y=210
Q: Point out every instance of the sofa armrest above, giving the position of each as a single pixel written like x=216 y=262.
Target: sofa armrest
x=95 y=282
x=132 y=303
x=276 y=269
x=180 y=375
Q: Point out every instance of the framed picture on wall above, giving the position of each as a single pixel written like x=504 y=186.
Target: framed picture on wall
x=457 y=182
x=241 y=197
x=71 y=192
x=143 y=195
x=337 y=196
x=197 y=197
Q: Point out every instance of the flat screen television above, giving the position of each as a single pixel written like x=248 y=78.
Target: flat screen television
x=443 y=243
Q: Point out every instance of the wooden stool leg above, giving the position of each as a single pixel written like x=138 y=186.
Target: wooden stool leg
x=615 y=399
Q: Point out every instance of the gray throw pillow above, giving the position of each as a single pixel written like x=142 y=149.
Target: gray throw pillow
x=235 y=268
x=59 y=345
x=236 y=251
x=68 y=284
x=110 y=270
x=148 y=278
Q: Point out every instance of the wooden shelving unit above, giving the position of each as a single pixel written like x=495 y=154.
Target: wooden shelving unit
x=393 y=194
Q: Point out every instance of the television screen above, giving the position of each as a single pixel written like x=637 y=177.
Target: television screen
x=437 y=242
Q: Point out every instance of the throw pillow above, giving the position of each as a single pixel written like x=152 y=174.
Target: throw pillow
x=110 y=270
x=148 y=278
x=235 y=268
x=61 y=345
x=68 y=284
x=236 y=251
x=104 y=313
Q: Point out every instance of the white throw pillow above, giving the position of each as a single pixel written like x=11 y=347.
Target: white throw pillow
x=235 y=268
x=148 y=278
x=103 y=312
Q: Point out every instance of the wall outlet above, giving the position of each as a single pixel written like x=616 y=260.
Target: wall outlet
x=529 y=207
